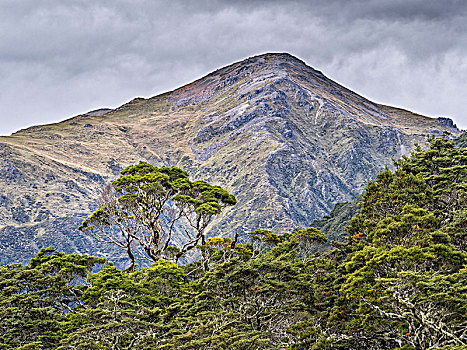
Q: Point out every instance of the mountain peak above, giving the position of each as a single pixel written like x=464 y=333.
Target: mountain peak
x=270 y=57
x=258 y=80
x=282 y=61
x=286 y=140
x=253 y=71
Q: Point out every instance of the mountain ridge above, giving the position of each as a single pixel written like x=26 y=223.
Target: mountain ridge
x=289 y=142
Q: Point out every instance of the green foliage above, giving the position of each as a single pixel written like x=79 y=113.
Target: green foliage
x=124 y=310
x=36 y=298
x=333 y=225
x=141 y=210
x=406 y=257
x=397 y=282
x=461 y=141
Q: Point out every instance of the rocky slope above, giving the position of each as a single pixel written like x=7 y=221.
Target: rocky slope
x=286 y=140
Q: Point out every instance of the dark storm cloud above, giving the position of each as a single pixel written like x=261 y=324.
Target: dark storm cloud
x=61 y=58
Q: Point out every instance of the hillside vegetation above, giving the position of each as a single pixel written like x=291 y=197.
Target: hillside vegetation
x=397 y=282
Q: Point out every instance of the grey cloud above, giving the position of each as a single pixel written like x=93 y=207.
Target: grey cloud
x=64 y=58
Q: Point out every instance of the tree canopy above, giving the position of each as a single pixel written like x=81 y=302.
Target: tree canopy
x=141 y=210
x=398 y=281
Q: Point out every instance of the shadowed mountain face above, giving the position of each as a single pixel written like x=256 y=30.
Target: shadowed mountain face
x=286 y=140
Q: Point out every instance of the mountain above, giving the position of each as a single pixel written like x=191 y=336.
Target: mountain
x=286 y=140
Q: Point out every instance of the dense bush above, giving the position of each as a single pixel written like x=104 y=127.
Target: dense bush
x=397 y=282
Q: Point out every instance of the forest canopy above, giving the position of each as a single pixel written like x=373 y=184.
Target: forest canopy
x=397 y=281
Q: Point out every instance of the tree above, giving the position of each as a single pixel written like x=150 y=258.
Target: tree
x=36 y=298
x=144 y=207
x=397 y=282
x=444 y=169
x=124 y=310
x=405 y=262
x=110 y=224
x=309 y=240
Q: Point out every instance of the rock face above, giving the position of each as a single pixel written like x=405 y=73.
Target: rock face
x=286 y=140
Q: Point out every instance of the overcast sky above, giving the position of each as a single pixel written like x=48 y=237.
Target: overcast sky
x=62 y=58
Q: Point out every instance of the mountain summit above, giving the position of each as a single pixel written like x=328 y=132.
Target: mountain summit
x=285 y=139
